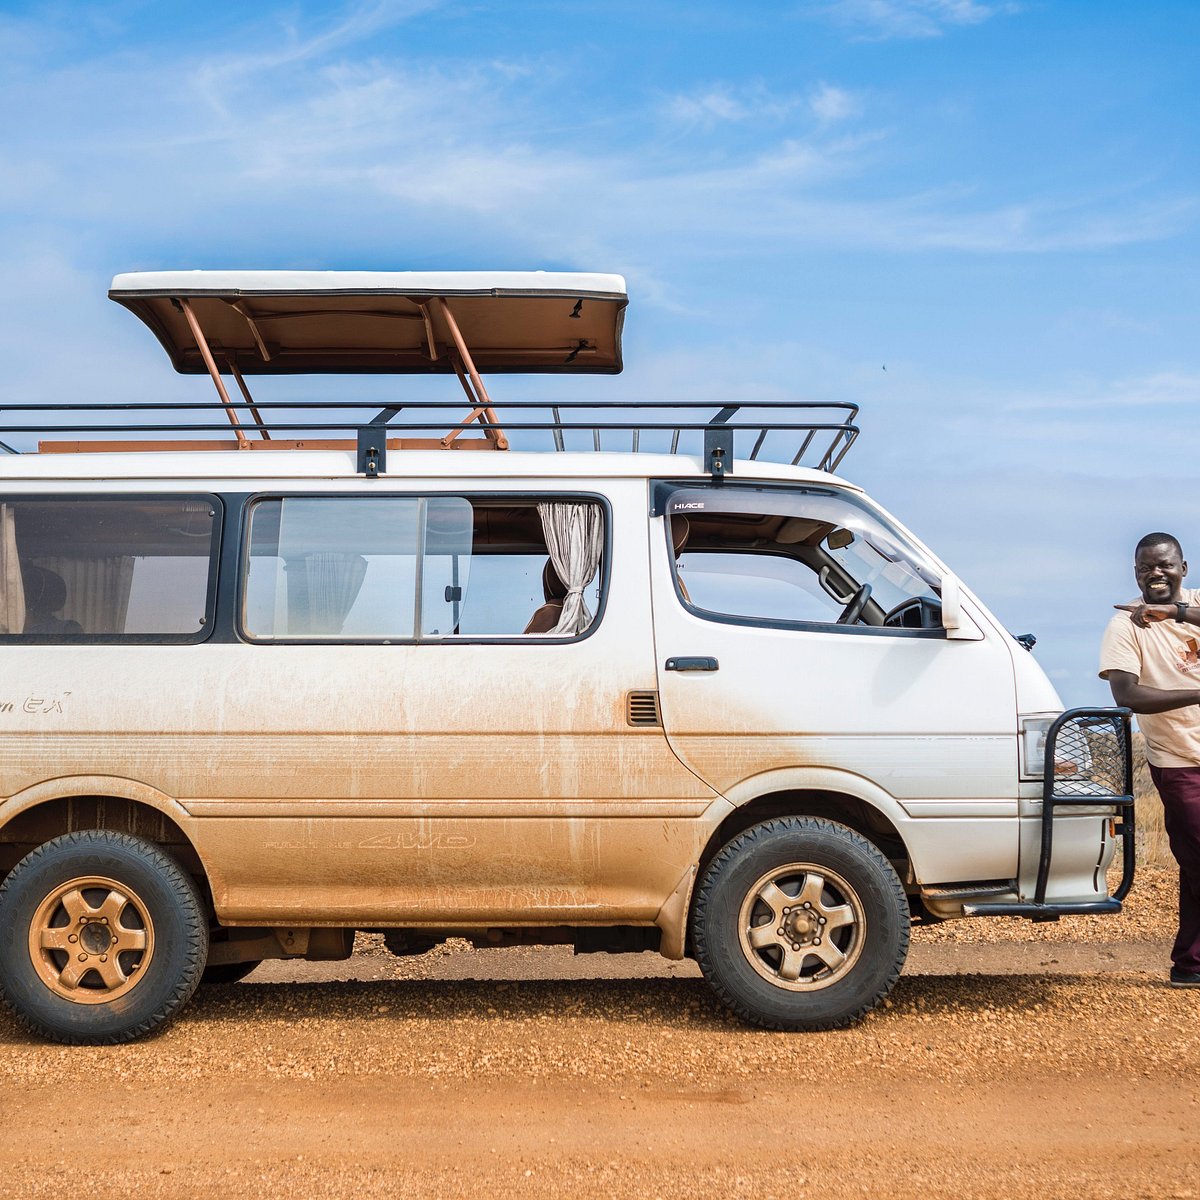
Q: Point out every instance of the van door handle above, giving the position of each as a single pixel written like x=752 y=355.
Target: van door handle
x=692 y=664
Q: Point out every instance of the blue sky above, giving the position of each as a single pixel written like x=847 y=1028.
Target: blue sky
x=998 y=201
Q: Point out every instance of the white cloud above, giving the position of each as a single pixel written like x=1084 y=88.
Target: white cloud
x=360 y=21
x=713 y=105
x=831 y=104
x=885 y=19
x=727 y=103
x=1160 y=389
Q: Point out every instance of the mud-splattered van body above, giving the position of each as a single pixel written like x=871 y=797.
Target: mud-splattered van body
x=702 y=704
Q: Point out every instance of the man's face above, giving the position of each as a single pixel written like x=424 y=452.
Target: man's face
x=1159 y=571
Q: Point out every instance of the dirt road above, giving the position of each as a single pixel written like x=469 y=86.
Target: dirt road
x=1033 y=1063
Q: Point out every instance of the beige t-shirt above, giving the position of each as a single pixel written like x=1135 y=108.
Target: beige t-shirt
x=1163 y=655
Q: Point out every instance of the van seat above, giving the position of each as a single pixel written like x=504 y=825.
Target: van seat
x=546 y=618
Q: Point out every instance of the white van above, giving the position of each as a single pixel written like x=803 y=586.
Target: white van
x=334 y=669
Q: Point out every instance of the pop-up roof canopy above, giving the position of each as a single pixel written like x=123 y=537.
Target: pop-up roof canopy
x=371 y=322
x=406 y=322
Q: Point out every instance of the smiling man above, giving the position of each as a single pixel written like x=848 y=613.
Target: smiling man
x=1151 y=658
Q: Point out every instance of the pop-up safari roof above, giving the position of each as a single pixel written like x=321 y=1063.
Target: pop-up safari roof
x=236 y=324
x=402 y=322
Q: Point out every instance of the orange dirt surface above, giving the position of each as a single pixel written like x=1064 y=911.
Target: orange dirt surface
x=1049 y=1066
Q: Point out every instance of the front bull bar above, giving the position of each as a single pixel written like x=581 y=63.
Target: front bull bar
x=1092 y=768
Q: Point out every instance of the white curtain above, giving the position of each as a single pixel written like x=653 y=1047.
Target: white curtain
x=97 y=590
x=334 y=580
x=575 y=541
x=12 y=587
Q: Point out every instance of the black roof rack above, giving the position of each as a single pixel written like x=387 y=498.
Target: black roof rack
x=798 y=432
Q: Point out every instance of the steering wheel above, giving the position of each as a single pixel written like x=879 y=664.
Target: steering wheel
x=854 y=609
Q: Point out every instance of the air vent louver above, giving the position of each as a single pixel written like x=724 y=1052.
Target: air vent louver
x=641 y=708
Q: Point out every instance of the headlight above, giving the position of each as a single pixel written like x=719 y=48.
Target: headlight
x=1033 y=745
x=1072 y=756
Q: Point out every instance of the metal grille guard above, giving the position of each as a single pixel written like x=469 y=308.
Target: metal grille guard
x=1101 y=739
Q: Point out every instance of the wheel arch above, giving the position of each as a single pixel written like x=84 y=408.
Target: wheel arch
x=53 y=807
x=836 y=795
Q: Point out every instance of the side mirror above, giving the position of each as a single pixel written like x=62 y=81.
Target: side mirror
x=955 y=622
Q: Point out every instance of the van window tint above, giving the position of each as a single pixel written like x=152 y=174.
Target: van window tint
x=798 y=556
x=409 y=567
x=107 y=568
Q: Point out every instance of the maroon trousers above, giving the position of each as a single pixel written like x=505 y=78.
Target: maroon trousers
x=1179 y=788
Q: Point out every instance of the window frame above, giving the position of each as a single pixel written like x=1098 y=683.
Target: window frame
x=376 y=496
x=662 y=493
x=206 y=631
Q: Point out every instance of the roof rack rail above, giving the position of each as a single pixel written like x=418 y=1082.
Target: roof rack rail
x=802 y=433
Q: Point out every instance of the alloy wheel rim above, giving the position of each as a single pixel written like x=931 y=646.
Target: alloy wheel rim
x=91 y=940
x=802 y=927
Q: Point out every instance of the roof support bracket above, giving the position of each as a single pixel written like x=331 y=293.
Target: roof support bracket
x=430 y=339
x=240 y=306
x=233 y=368
x=206 y=354
x=468 y=372
x=718 y=444
x=372 y=450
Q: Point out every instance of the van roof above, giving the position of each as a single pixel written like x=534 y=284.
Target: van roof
x=372 y=322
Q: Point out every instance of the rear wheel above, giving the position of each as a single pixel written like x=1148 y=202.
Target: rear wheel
x=800 y=923
x=102 y=938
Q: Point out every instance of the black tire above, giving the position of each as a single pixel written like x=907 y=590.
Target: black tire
x=220 y=973
x=821 y=962
x=103 y=938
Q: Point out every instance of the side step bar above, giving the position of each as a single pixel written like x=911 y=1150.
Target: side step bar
x=1099 y=738
x=1043 y=912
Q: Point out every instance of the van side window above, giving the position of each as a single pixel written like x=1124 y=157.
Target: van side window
x=332 y=567
x=107 y=569
x=516 y=587
x=798 y=556
x=413 y=568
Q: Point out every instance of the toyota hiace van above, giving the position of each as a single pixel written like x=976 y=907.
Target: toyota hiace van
x=274 y=671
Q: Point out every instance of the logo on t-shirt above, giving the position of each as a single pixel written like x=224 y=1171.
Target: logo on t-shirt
x=1189 y=657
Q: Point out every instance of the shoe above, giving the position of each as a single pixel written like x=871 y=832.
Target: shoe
x=1181 y=978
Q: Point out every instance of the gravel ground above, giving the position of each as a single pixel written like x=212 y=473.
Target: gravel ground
x=978 y=1083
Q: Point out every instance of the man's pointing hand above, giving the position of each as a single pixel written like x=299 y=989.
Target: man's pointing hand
x=1147 y=614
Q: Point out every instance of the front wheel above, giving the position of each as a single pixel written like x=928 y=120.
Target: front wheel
x=103 y=938
x=800 y=923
